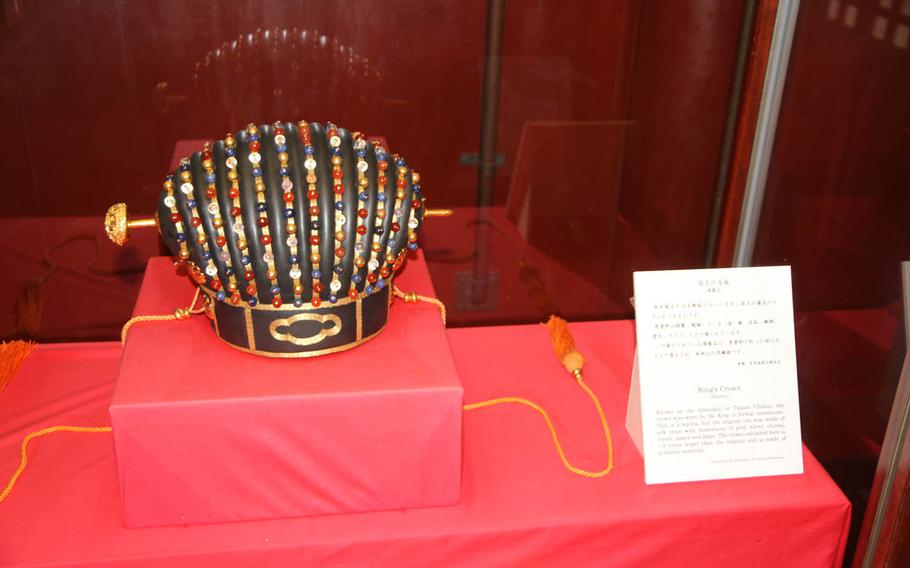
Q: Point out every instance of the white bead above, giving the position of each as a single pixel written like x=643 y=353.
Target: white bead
x=413 y=223
x=224 y=255
x=238 y=227
x=295 y=273
x=399 y=212
x=310 y=164
x=292 y=241
x=340 y=219
x=335 y=141
x=360 y=144
x=279 y=140
x=268 y=257
x=335 y=285
x=213 y=208
x=362 y=166
x=231 y=162
x=255 y=157
x=169 y=201
x=187 y=188
x=287 y=185
x=359 y=247
x=211 y=270
x=373 y=264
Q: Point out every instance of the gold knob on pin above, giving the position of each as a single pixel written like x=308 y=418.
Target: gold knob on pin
x=117 y=223
x=438 y=212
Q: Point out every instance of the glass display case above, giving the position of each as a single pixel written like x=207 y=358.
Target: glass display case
x=574 y=143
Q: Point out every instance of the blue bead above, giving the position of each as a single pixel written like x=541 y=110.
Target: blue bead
x=415 y=186
x=206 y=255
x=281 y=148
x=275 y=290
x=378 y=230
x=228 y=271
x=220 y=295
x=380 y=284
x=380 y=196
x=261 y=207
x=412 y=246
x=284 y=171
x=339 y=205
x=368 y=289
x=181 y=237
x=293 y=259
x=338 y=269
x=355 y=278
x=245 y=259
x=333 y=298
x=210 y=178
x=364 y=196
x=314 y=225
x=254 y=137
x=382 y=156
x=184 y=167
x=229 y=152
x=400 y=162
x=336 y=151
x=316 y=274
x=257 y=172
x=191 y=203
x=309 y=150
x=298 y=302
x=288 y=213
x=253 y=300
x=361 y=153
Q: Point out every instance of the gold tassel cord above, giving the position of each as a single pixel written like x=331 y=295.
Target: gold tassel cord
x=179 y=314
x=12 y=355
x=23 y=450
x=412 y=298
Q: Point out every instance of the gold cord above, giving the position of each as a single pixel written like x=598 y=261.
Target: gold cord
x=179 y=314
x=23 y=460
x=411 y=297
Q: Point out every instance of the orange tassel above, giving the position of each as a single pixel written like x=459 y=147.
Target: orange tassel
x=12 y=354
x=564 y=345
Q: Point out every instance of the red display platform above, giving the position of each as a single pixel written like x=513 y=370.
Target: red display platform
x=206 y=433
x=519 y=506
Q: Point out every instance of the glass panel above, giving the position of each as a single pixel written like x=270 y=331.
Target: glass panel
x=610 y=127
x=835 y=209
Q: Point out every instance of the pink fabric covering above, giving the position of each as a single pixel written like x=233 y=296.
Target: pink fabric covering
x=206 y=433
x=519 y=506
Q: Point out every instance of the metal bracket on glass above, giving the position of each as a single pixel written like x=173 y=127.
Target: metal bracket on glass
x=476 y=295
x=468 y=159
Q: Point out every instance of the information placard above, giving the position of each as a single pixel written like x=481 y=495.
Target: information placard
x=716 y=369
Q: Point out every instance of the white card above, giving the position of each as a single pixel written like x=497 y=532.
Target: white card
x=717 y=373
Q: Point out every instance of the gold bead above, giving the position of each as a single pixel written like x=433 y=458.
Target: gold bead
x=232 y=175
x=359 y=262
x=251 y=128
x=229 y=140
x=232 y=287
x=336 y=160
x=292 y=228
x=298 y=288
x=364 y=181
x=400 y=194
x=311 y=178
x=184 y=254
x=339 y=235
x=380 y=213
x=302 y=124
x=241 y=244
x=207 y=164
x=168 y=185
x=260 y=187
x=376 y=247
x=200 y=239
x=186 y=176
x=389 y=258
x=181 y=313
x=283 y=156
x=315 y=257
x=402 y=171
x=415 y=177
x=217 y=222
x=271 y=274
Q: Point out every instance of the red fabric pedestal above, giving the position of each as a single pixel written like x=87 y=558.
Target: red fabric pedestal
x=205 y=433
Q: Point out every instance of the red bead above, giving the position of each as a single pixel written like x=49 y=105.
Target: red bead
x=361 y=230
x=337 y=173
x=339 y=252
x=371 y=278
x=248 y=275
x=233 y=193
x=402 y=183
x=332 y=132
x=352 y=294
x=316 y=301
x=382 y=180
x=235 y=212
x=396 y=227
x=312 y=194
x=278 y=130
x=415 y=204
x=288 y=197
x=254 y=146
x=251 y=290
x=317 y=287
x=263 y=221
x=276 y=301
x=383 y=165
x=210 y=192
x=384 y=272
x=265 y=239
x=206 y=154
x=175 y=217
x=363 y=213
x=314 y=240
x=195 y=221
x=339 y=189
x=216 y=284
x=220 y=241
x=314 y=210
x=397 y=265
x=235 y=299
